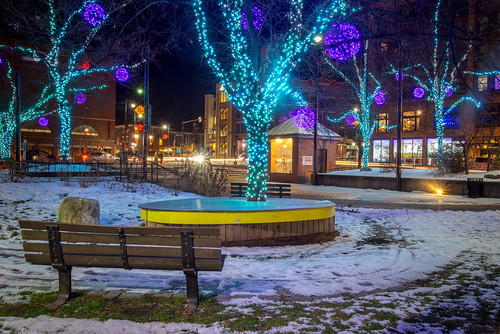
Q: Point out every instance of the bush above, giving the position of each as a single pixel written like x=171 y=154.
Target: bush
x=453 y=161
x=202 y=179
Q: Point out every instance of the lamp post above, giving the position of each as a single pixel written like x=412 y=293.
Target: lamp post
x=318 y=39
x=199 y=119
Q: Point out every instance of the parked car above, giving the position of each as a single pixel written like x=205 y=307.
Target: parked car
x=103 y=157
x=39 y=155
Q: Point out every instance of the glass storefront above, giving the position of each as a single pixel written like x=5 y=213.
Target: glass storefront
x=381 y=151
x=432 y=148
x=281 y=155
x=411 y=151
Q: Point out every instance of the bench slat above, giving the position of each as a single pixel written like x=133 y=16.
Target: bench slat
x=134 y=262
x=140 y=230
x=93 y=238
x=206 y=253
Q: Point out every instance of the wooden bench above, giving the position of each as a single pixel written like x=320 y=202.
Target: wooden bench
x=239 y=189
x=64 y=246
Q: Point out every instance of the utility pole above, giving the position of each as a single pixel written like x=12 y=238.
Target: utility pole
x=147 y=118
x=400 y=102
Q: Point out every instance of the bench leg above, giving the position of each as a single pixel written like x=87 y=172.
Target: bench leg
x=192 y=290
x=64 y=286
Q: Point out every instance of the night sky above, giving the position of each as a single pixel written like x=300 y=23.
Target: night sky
x=178 y=84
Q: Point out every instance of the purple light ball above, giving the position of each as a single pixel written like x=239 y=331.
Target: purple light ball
x=304 y=118
x=1 y=60
x=94 y=14
x=449 y=91
x=258 y=18
x=418 y=92
x=497 y=82
x=346 y=33
x=397 y=76
x=80 y=98
x=121 y=74
x=379 y=97
x=43 y=121
x=351 y=119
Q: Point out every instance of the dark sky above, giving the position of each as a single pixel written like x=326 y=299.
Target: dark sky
x=178 y=84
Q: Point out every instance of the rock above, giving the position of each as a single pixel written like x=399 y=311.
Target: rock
x=79 y=210
x=366 y=169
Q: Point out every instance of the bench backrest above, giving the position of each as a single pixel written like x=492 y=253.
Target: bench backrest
x=238 y=189
x=127 y=247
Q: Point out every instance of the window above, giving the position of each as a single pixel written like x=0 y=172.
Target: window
x=223 y=113
x=223 y=131
x=223 y=97
x=381 y=151
x=411 y=151
x=488 y=117
x=497 y=82
x=281 y=155
x=383 y=122
x=411 y=120
x=451 y=118
x=223 y=149
x=384 y=47
x=432 y=149
x=482 y=83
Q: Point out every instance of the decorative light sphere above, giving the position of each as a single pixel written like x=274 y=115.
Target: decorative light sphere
x=43 y=121
x=397 y=76
x=304 y=118
x=140 y=127
x=94 y=13
x=80 y=98
x=1 y=60
x=121 y=74
x=418 y=92
x=258 y=18
x=86 y=65
x=449 y=91
x=356 y=123
x=351 y=119
x=344 y=38
x=379 y=97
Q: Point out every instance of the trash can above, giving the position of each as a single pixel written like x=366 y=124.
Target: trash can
x=474 y=187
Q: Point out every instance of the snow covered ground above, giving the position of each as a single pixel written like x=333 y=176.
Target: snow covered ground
x=381 y=259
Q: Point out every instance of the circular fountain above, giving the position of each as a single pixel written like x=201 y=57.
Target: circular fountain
x=241 y=221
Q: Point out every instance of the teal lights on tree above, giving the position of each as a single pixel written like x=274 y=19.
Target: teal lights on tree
x=367 y=90
x=30 y=111
x=255 y=80
x=437 y=78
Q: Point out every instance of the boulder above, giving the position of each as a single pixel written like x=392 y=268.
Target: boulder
x=79 y=211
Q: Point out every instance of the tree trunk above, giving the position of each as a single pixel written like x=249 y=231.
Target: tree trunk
x=5 y=143
x=258 y=150
x=65 y=130
x=366 y=152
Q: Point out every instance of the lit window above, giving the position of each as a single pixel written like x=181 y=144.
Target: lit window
x=482 y=83
x=411 y=120
x=223 y=97
x=382 y=122
x=223 y=113
x=384 y=47
x=281 y=155
x=223 y=131
x=451 y=119
x=381 y=151
x=223 y=148
x=497 y=82
x=411 y=151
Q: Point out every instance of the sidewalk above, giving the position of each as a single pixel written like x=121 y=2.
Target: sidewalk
x=388 y=199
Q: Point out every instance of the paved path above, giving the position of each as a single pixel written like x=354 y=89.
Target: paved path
x=387 y=199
